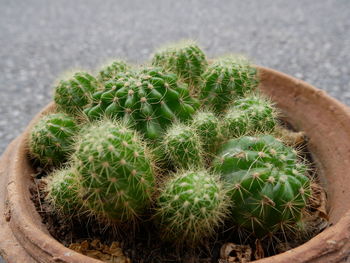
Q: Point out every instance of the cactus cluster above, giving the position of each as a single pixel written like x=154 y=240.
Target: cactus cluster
x=226 y=79
x=185 y=59
x=249 y=115
x=117 y=172
x=72 y=95
x=64 y=191
x=222 y=165
x=150 y=100
x=112 y=71
x=51 y=139
x=191 y=205
x=267 y=184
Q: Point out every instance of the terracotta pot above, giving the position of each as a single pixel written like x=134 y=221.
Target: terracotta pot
x=326 y=122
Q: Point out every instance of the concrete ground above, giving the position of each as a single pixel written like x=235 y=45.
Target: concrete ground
x=39 y=40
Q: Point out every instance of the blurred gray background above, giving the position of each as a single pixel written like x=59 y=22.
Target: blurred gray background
x=39 y=40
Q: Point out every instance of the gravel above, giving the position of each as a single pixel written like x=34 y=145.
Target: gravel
x=40 y=40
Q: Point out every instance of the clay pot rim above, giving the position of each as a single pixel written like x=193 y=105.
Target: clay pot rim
x=33 y=237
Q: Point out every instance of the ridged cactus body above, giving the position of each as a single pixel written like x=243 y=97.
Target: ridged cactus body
x=208 y=127
x=64 y=192
x=266 y=182
x=190 y=206
x=151 y=100
x=183 y=146
x=117 y=172
x=226 y=79
x=72 y=95
x=112 y=70
x=249 y=115
x=185 y=59
x=51 y=139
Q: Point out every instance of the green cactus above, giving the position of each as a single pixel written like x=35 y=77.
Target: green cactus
x=50 y=140
x=184 y=58
x=63 y=188
x=266 y=183
x=151 y=100
x=183 y=146
x=208 y=127
x=71 y=96
x=249 y=115
x=112 y=70
x=226 y=79
x=190 y=206
x=117 y=172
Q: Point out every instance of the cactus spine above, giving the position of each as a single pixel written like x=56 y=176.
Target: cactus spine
x=51 y=139
x=185 y=59
x=191 y=205
x=71 y=96
x=117 y=172
x=226 y=79
x=266 y=183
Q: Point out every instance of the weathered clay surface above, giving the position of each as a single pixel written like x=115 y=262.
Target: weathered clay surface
x=325 y=121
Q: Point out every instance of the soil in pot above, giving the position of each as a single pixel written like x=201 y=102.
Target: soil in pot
x=143 y=244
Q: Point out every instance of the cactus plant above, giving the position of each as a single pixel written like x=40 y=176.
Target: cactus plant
x=208 y=127
x=112 y=70
x=184 y=58
x=71 y=96
x=191 y=205
x=183 y=146
x=50 y=140
x=150 y=100
x=117 y=172
x=249 y=115
x=226 y=79
x=63 y=188
x=267 y=183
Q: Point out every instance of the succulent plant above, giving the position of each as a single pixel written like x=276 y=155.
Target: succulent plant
x=71 y=96
x=190 y=206
x=226 y=79
x=117 y=172
x=63 y=188
x=208 y=127
x=184 y=58
x=151 y=100
x=249 y=115
x=50 y=140
x=183 y=146
x=266 y=182
x=112 y=70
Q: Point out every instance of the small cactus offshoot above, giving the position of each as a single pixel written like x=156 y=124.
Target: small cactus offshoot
x=267 y=183
x=185 y=59
x=117 y=172
x=183 y=146
x=51 y=139
x=190 y=206
x=150 y=100
x=112 y=70
x=208 y=127
x=226 y=79
x=71 y=96
x=249 y=115
x=63 y=188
